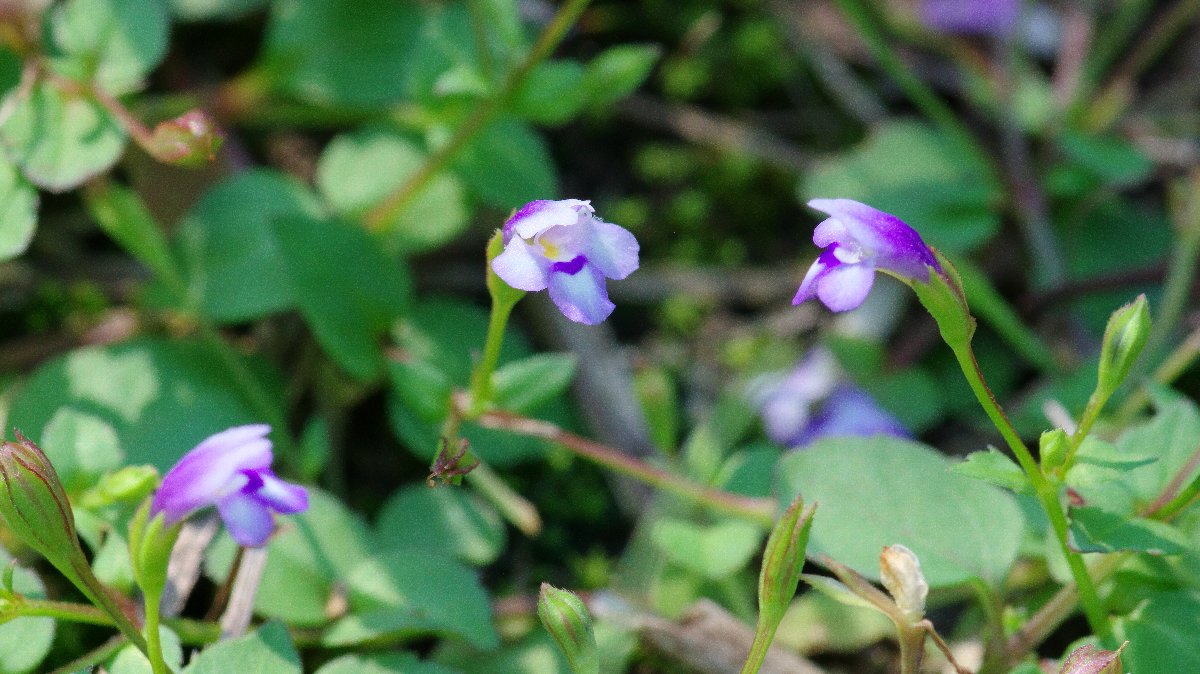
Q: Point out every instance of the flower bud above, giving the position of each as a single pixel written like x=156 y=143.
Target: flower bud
x=1126 y=334
x=1053 y=448
x=190 y=139
x=567 y=620
x=900 y=572
x=35 y=507
x=127 y=485
x=783 y=560
x=1088 y=659
x=150 y=543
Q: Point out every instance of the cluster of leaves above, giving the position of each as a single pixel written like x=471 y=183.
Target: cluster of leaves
x=290 y=297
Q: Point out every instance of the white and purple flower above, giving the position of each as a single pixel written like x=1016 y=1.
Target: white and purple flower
x=563 y=246
x=231 y=470
x=971 y=17
x=814 y=401
x=858 y=240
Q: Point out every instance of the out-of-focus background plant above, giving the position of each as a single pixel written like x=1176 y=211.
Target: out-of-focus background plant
x=216 y=213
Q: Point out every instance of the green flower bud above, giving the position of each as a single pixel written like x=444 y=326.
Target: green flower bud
x=150 y=543
x=1126 y=334
x=567 y=620
x=900 y=572
x=36 y=509
x=127 y=485
x=188 y=140
x=783 y=560
x=1053 y=449
x=34 y=505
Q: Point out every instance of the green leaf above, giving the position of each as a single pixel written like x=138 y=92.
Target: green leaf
x=873 y=492
x=161 y=397
x=114 y=43
x=1097 y=462
x=309 y=559
x=348 y=289
x=228 y=239
x=421 y=388
x=994 y=467
x=442 y=520
x=1113 y=159
x=266 y=650
x=525 y=385
x=125 y=217
x=18 y=214
x=507 y=165
x=408 y=594
x=1162 y=633
x=617 y=72
x=24 y=642
x=444 y=334
x=365 y=53
x=1094 y=529
x=1171 y=437
x=358 y=171
x=552 y=94
x=82 y=448
x=946 y=195
x=388 y=663
x=714 y=551
x=817 y=622
x=60 y=140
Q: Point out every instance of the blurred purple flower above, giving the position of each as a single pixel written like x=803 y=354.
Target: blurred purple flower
x=812 y=401
x=231 y=470
x=858 y=240
x=563 y=246
x=971 y=17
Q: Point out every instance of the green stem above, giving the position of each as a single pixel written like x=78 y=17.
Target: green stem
x=153 y=638
x=867 y=28
x=1046 y=491
x=758 y=650
x=59 y=610
x=99 y=654
x=512 y=506
x=387 y=210
x=754 y=509
x=912 y=648
x=481 y=377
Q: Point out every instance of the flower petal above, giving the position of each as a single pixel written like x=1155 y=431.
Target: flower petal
x=248 y=521
x=536 y=217
x=845 y=287
x=850 y=411
x=281 y=496
x=581 y=297
x=613 y=249
x=522 y=266
x=200 y=477
x=827 y=260
x=895 y=246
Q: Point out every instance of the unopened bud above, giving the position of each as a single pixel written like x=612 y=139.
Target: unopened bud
x=1126 y=334
x=783 y=561
x=35 y=506
x=150 y=543
x=567 y=620
x=1053 y=448
x=190 y=139
x=1088 y=659
x=127 y=485
x=900 y=572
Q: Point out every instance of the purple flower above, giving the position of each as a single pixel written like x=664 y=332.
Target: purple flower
x=812 y=401
x=563 y=246
x=858 y=240
x=971 y=17
x=231 y=470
